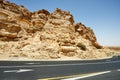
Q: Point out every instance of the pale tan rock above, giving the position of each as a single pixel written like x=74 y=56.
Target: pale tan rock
x=64 y=15
x=7 y=29
x=39 y=18
x=67 y=49
x=12 y=7
x=87 y=33
x=10 y=24
x=44 y=35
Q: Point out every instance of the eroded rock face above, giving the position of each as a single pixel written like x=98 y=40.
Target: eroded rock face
x=9 y=30
x=13 y=19
x=85 y=32
x=23 y=12
x=59 y=14
x=44 y=35
x=39 y=19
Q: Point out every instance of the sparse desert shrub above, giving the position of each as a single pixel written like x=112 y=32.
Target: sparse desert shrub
x=81 y=46
x=110 y=54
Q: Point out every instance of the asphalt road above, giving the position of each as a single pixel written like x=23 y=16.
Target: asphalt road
x=106 y=69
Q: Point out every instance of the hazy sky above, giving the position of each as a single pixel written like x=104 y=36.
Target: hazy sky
x=103 y=16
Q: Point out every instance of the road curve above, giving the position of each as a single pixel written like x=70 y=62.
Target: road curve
x=38 y=70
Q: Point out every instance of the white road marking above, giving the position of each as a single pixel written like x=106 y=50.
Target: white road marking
x=31 y=66
x=18 y=71
x=29 y=63
x=10 y=71
x=118 y=70
x=89 y=75
x=32 y=63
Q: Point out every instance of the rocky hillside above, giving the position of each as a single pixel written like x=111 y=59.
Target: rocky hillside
x=45 y=35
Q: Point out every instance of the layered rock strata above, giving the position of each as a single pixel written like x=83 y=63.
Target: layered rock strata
x=45 y=35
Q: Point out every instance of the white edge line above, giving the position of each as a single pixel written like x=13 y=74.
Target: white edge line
x=57 y=65
x=118 y=70
x=10 y=71
x=89 y=75
x=29 y=63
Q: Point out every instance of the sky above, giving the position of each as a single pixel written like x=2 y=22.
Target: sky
x=103 y=16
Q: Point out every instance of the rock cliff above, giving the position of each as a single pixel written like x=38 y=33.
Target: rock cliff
x=45 y=35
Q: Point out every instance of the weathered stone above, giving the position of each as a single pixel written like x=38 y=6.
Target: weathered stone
x=39 y=18
x=44 y=35
x=64 y=15
x=66 y=49
x=98 y=46
x=9 y=30
x=23 y=12
x=85 y=32
x=13 y=19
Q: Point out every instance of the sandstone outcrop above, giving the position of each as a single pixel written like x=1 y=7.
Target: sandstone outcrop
x=87 y=33
x=39 y=18
x=23 y=12
x=13 y=19
x=44 y=35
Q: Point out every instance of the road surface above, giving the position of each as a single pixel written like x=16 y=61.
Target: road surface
x=106 y=69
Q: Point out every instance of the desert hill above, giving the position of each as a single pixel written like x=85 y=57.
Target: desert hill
x=45 y=35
